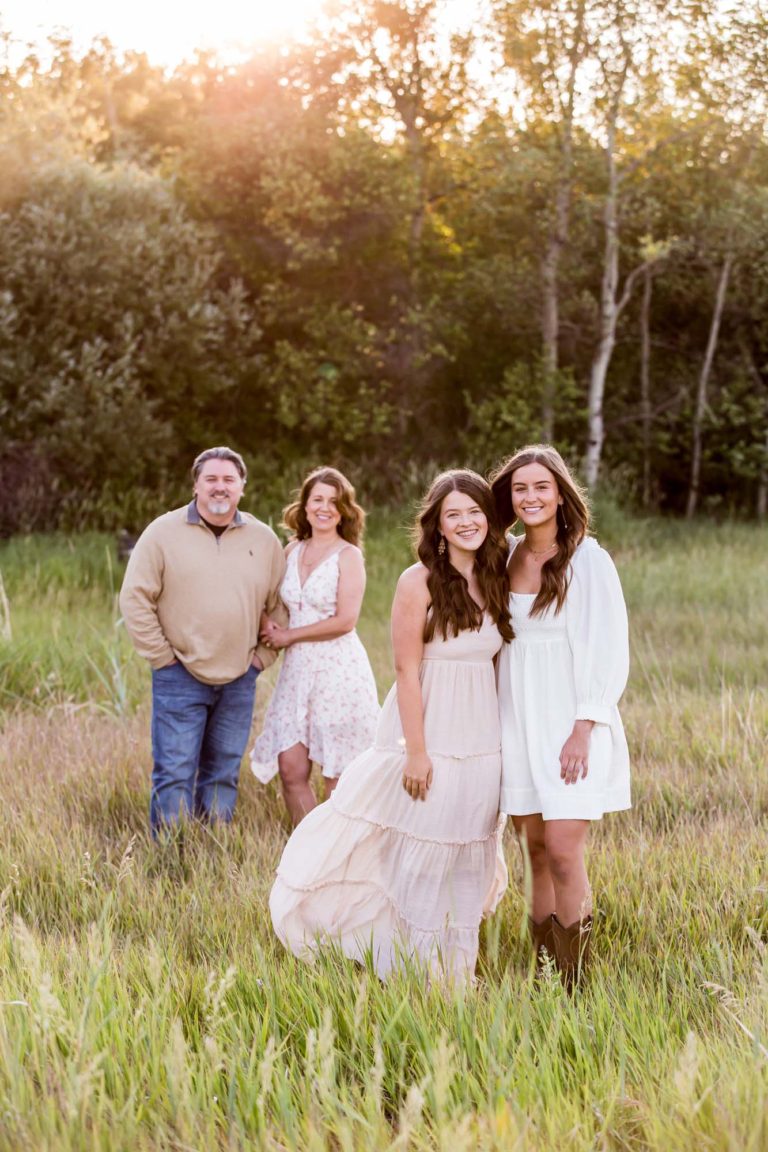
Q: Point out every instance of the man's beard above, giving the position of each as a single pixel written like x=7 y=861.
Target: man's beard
x=219 y=507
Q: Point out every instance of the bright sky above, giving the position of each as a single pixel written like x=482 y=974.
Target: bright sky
x=170 y=30
x=167 y=30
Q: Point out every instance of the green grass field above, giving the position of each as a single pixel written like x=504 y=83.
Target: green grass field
x=144 y=1003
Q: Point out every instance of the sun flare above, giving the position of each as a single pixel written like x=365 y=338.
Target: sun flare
x=167 y=32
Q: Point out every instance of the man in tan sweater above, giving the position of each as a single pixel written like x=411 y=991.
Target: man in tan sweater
x=195 y=587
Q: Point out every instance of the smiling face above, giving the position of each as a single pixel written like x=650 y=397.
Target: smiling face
x=322 y=508
x=218 y=489
x=535 y=497
x=462 y=522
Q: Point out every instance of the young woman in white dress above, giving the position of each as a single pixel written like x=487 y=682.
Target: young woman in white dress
x=401 y=862
x=324 y=709
x=564 y=754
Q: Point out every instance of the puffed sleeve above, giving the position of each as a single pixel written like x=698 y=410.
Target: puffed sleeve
x=596 y=620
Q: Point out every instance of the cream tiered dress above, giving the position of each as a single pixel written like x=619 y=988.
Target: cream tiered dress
x=325 y=697
x=378 y=873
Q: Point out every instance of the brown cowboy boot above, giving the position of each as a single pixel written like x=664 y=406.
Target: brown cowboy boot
x=572 y=950
x=543 y=940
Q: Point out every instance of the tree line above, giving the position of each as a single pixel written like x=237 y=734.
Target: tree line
x=390 y=246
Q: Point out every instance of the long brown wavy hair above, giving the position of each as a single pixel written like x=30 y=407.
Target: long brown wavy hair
x=352 y=522
x=572 y=518
x=452 y=609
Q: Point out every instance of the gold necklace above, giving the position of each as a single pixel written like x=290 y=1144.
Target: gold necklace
x=542 y=551
x=309 y=562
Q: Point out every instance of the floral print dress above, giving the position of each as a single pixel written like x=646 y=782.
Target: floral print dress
x=325 y=696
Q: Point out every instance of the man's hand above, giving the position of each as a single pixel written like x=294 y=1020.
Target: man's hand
x=273 y=636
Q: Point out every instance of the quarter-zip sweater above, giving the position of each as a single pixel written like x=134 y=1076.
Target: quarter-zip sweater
x=196 y=597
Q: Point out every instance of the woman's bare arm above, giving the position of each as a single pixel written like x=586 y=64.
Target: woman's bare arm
x=409 y=614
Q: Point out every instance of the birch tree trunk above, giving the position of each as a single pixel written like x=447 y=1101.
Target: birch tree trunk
x=702 y=391
x=557 y=237
x=645 y=382
x=761 y=507
x=550 y=329
x=550 y=269
x=612 y=303
x=608 y=312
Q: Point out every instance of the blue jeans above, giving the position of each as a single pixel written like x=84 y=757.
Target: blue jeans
x=199 y=734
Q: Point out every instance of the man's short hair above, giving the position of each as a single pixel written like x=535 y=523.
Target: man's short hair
x=222 y=453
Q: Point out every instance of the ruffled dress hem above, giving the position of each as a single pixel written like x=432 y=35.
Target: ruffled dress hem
x=399 y=881
x=557 y=806
x=392 y=941
x=353 y=908
x=331 y=765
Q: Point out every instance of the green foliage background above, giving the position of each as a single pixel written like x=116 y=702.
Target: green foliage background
x=334 y=253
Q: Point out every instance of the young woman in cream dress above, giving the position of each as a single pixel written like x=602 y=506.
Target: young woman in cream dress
x=564 y=754
x=401 y=862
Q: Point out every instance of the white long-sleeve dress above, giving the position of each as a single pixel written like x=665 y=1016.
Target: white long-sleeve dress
x=559 y=669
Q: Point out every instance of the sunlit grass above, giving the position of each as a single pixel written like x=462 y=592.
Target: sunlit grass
x=144 y=1002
